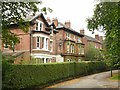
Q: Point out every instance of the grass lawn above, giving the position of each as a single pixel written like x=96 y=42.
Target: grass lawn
x=115 y=77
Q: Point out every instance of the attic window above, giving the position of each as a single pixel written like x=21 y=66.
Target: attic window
x=36 y=26
x=39 y=25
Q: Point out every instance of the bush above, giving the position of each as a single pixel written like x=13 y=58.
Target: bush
x=23 y=76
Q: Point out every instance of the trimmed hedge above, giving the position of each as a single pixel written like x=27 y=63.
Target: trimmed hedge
x=23 y=76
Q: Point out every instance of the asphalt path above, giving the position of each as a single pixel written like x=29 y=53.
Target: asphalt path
x=99 y=80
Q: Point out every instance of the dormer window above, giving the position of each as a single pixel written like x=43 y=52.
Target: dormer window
x=39 y=25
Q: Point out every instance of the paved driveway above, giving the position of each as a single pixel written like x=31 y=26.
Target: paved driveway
x=99 y=80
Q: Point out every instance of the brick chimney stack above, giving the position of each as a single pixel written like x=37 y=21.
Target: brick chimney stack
x=101 y=38
x=55 y=21
x=68 y=24
x=82 y=31
x=48 y=19
x=97 y=37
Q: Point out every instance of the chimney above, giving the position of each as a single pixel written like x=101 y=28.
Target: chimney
x=82 y=31
x=55 y=21
x=48 y=19
x=68 y=24
x=97 y=37
x=101 y=38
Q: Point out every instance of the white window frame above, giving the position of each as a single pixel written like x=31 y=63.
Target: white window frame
x=82 y=50
x=46 y=43
x=67 y=35
x=38 y=42
x=40 y=22
x=71 y=46
x=51 y=48
x=79 y=40
x=68 y=47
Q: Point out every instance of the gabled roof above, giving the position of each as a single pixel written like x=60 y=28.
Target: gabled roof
x=32 y=18
x=62 y=26
x=92 y=39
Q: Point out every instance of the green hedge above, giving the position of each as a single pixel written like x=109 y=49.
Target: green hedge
x=23 y=76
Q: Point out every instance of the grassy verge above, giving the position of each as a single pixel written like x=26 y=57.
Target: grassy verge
x=115 y=77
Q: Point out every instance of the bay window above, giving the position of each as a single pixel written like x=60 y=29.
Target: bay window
x=41 y=43
x=67 y=47
x=38 y=42
x=51 y=46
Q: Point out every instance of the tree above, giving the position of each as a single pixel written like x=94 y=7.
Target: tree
x=14 y=13
x=107 y=18
x=93 y=54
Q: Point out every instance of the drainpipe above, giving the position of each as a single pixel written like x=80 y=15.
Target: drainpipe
x=30 y=43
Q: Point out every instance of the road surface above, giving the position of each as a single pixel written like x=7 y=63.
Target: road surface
x=99 y=80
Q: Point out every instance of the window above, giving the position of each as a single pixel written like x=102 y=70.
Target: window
x=42 y=60
x=40 y=26
x=68 y=60
x=38 y=42
x=42 y=42
x=37 y=26
x=47 y=60
x=74 y=37
x=79 y=49
x=67 y=35
x=79 y=60
x=46 y=43
x=82 y=50
x=73 y=48
x=67 y=47
x=51 y=46
x=79 y=40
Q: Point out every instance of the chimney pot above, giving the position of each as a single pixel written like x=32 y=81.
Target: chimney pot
x=97 y=37
x=68 y=24
x=55 y=21
x=82 y=31
x=101 y=38
x=48 y=19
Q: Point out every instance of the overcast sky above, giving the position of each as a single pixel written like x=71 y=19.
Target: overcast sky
x=77 y=11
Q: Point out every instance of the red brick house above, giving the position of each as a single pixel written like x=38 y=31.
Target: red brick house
x=97 y=42
x=68 y=42
x=38 y=41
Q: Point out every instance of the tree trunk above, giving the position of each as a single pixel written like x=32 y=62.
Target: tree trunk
x=111 y=72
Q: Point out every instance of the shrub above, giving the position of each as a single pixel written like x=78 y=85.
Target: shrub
x=23 y=76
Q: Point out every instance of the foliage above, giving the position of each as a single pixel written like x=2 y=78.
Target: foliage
x=115 y=77
x=14 y=13
x=8 y=59
x=25 y=76
x=93 y=54
x=107 y=18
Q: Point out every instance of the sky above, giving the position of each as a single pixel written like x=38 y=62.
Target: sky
x=76 y=11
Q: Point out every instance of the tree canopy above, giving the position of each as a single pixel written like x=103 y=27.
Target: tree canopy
x=93 y=54
x=107 y=17
x=14 y=13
